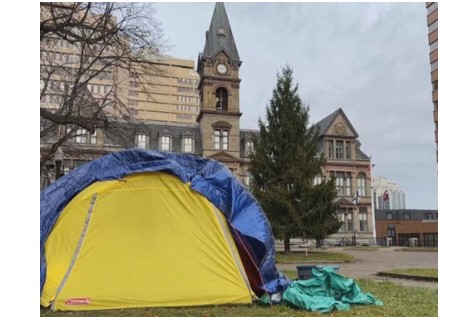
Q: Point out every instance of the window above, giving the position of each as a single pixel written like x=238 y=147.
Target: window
x=389 y=215
x=221 y=139
x=342 y=218
x=165 y=143
x=433 y=46
x=329 y=145
x=346 y=218
x=247 y=179
x=348 y=150
x=361 y=184
x=428 y=216
x=343 y=183
x=434 y=66
x=363 y=220
x=339 y=150
x=347 y=184
x=80 y=136
x=248 y=147
x=391 y=231
x=339 y=183
x=407 y=216
x=221 y=31
x=188 y=145
x=142 y=141
x=221 y=97
x=349 y=222
x=93 y=138
x=317 y=180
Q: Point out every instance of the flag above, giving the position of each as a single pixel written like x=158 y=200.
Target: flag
x=385 y=196
x=355 y=199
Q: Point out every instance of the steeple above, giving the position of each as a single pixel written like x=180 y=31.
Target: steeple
x=219 y=90
x=219 y=36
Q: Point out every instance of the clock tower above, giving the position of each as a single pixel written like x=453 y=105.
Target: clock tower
x=219 y=117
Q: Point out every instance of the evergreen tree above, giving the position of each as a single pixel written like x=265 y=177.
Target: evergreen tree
x=319 y=219
x=284 y=163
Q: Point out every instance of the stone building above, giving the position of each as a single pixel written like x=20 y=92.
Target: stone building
x=215 y=132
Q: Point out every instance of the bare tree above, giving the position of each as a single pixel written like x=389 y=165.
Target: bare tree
x=89 y=53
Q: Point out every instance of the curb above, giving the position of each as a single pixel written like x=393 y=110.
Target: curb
x=318 y=262
x=408 y=277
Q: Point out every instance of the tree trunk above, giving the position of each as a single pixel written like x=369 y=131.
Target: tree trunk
x=286 y=245
x=318 y=243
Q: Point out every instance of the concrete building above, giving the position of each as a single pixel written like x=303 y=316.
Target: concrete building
x=396 y=197
x=433 y=58
x=171 y=97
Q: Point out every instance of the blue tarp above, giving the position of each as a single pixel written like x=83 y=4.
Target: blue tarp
x=208 y=177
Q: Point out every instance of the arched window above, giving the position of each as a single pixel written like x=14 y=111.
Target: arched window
x=221 y=97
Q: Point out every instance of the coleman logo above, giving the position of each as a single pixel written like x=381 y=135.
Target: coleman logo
x=78 y=301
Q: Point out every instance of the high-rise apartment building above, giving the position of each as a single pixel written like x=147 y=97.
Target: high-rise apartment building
x=432 y=40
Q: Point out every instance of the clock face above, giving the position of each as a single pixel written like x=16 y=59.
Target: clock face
x=221 y=68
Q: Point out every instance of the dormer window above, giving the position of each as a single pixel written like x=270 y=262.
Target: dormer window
x=221 y=97
x=221 y=31
x=165 y=143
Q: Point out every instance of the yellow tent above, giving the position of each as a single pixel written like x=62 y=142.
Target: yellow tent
x=147 y=239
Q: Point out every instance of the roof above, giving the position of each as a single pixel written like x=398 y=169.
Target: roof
x=219 y=37
x=398 y=214
x=325 y=123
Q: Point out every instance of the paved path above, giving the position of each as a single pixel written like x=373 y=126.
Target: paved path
x=369 y=263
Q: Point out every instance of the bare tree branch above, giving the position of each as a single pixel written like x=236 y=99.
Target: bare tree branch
x=88 y=51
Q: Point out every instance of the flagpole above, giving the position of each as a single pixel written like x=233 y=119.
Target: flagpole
x=372 y=189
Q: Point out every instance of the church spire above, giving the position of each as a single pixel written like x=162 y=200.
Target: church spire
x=219 y=36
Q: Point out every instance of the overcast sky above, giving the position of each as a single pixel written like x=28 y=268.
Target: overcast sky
x=370 y=59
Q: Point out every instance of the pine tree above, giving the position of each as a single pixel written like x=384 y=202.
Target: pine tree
x=284 y=163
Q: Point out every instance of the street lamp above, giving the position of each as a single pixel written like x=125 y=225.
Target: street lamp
x=58 y=158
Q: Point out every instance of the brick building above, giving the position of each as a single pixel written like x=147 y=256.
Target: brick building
x=407 y=227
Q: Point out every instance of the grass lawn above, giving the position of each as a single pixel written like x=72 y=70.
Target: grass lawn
x=313 y=256
x=399 y=301
x=415 y=272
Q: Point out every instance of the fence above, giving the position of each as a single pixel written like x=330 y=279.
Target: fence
x=431 y=241
x=301 y=244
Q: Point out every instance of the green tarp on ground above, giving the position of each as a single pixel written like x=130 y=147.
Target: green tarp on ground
x=325 y=291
